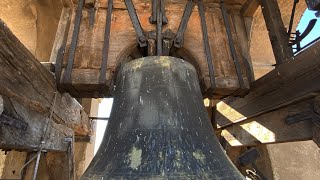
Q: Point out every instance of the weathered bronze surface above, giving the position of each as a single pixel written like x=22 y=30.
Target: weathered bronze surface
x=159 y=127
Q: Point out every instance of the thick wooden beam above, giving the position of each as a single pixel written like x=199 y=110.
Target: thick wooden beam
x=30 y=84
x=249 y=8
x=290 y=82
x=272 y=127
x=22 y=129
x=277 y=32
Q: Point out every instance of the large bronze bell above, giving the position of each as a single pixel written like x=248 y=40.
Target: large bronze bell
x=159 y=127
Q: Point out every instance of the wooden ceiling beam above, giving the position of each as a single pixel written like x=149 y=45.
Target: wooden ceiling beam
x=249 y=8
x=289 y=83
x=289 y=124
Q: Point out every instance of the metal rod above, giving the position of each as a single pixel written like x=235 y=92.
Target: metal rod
x=206 y=43
x=159 y=31
x=292 y=16
x=141 y=38
x=306 y=46
x=99 y=118
x=153 y=17
x=163 y=11
x=178 y=40
x=73 y=46
x=105 y=50
x=299 y=37
x=231 y=45
x=36 y=167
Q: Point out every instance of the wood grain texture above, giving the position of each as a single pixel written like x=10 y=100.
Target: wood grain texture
x=290 y=82
x=123 y=38
x=271 y=127
x=25 y=81
x=30 y=139
x=277 y=32
x=249 y=7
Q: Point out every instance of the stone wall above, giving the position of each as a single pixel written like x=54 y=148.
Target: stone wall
x=34 y=22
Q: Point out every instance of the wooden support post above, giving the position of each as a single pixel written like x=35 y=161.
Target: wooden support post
x=316 y=129
x=61 y=34
x=272 y=127
x=291 y=82
x=277 y=32
x=249 y=8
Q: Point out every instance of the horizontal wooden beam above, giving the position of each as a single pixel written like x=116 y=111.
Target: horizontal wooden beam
x=273 y=127
x=249 y=8
x=291 y=82
x=22 y=129
x=31 y=85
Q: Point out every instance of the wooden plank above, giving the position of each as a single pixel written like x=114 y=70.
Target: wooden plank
x=277 y=32
x=271 y=127
x=58 y=166
x=28 y=83
x=290 y=82
x=182 y=3
x=249 y=8
x=123 y=40
x=30 y=136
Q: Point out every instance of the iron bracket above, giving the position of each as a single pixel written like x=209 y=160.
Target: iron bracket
x=105 y=50
x=178 y=40
x=207 y=44
x=155 y=6
x=141 y=37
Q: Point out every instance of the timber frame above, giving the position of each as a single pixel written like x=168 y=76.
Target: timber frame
x=124 y=47
x=285 y=101
x=282 y=106
x=34 y=116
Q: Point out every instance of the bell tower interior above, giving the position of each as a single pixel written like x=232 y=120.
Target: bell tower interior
x=202 y=89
